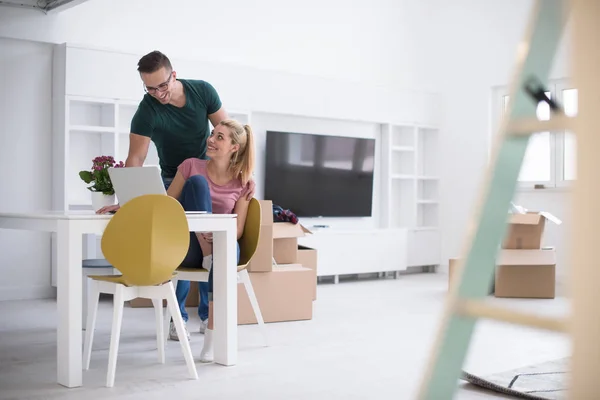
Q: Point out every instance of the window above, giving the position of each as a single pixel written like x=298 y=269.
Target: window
x=569 y=149
x=550 y=159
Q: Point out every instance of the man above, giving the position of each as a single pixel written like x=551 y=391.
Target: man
x=174 y=114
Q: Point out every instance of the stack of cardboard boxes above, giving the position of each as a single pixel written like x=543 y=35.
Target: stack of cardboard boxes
x=283 y=274
x=524 y=268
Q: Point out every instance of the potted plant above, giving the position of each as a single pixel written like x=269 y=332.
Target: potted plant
x=103 y=193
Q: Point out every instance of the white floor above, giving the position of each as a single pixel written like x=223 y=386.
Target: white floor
x=368 y=340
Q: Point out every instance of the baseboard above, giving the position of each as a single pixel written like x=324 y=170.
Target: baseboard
x=27 y=293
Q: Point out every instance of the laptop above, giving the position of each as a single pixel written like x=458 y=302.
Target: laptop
x=132 y=182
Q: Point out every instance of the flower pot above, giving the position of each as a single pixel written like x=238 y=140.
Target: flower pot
x=100 y=200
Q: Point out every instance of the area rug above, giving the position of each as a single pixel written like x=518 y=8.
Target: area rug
x=545 y=381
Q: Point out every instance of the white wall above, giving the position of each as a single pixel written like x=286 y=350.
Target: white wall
x=25 y=160
x=370 y=42
x=476 y=43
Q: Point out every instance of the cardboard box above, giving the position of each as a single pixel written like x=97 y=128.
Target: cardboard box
x=285 y=241
x=192 y=300
x=278 y=241
x=283 y=294
x=453 y=268
x=307 y=257
x=263 y=258
x=526 y=274
x=525 y=230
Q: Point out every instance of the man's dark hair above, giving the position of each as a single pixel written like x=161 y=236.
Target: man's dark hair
x=154 y=61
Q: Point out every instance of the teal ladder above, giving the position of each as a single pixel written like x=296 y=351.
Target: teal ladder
x=466 y=302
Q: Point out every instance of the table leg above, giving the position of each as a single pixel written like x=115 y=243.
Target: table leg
x=69 y=297
x=225 y=295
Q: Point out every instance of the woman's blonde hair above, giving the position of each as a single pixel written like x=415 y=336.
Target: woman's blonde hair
x=242 y=161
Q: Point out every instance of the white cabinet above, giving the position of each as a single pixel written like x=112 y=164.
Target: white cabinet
x=342 y=252
x=424 y=247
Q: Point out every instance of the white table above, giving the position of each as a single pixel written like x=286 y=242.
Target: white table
x=70 y=228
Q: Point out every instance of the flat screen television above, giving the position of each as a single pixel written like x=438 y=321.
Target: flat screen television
x=320 y=175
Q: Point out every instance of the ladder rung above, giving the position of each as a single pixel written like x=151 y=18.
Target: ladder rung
x=529 y=126
x=480 y=309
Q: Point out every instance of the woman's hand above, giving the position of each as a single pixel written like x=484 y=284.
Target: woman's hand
x=108 y=209
x=208 y=236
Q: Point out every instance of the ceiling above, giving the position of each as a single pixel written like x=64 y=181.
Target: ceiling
x=44 y=6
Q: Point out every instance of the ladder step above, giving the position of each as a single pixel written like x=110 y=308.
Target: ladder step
x=529 y=126
x=480 y=309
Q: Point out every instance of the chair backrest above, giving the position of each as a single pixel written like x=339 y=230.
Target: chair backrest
x=251 y=235
x=147 y=239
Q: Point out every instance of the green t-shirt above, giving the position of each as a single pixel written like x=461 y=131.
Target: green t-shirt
x=178 y=133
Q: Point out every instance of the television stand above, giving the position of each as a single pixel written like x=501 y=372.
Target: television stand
x=363 y=251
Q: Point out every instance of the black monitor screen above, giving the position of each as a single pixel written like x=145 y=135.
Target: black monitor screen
x=320 y=175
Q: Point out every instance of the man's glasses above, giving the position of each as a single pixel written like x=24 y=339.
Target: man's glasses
x=160 y=88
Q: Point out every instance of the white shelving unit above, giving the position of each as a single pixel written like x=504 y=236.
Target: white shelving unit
x=91 y=127
x=411 y=188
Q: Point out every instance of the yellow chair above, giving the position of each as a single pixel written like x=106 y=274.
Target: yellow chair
x=248 y=246
x=146 y=240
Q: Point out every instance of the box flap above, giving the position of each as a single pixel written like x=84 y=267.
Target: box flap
x=551 y=217
x=283 y=230
x=526 y=257
x=266 y=207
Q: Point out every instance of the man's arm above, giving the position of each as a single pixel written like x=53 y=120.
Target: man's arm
x=218 y=116
x=138 y=150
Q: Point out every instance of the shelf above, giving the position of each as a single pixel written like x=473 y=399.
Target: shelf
x=403 y=148
x=403 y=164
x=428 y=152
x=427 y=214
x=403 y=177
x=83 y=148
x=126 y=113
x=428 y=190
x=428 y=178
x=88 y=113
x=403 y=136
x=96 y=129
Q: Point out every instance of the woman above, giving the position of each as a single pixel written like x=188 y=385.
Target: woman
x=216 y=185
